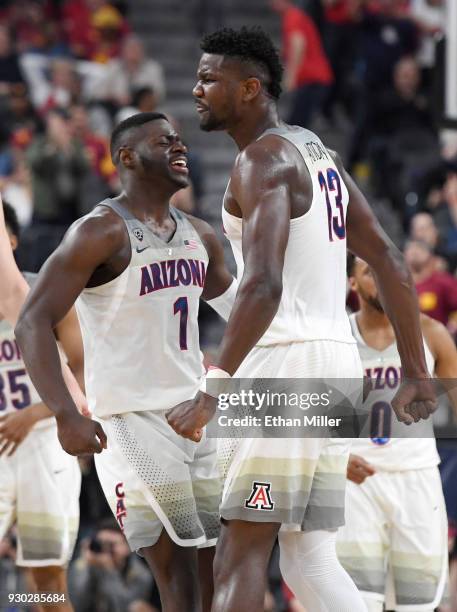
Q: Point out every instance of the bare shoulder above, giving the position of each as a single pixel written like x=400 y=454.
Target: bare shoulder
x=203 y=228
x=271 y=152
x=101 y=226
x=431 y=327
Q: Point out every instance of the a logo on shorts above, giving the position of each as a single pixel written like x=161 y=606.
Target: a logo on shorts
x=121 y=510
x=260 y=498
x=138 y=233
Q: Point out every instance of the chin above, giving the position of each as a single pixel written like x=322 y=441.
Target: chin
x=181 y=182
x=211 y=126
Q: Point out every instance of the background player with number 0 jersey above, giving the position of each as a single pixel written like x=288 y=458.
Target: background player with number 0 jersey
x=39 y=482
x=396 y=526
x=137 y=268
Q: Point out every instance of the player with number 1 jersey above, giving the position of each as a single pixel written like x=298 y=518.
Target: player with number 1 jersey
x=137 y=268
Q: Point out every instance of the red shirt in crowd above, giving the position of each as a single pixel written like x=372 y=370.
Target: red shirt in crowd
x=438 y=296
x=339 y=12
x=315 y=67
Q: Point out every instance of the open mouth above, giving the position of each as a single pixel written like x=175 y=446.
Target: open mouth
x=180 y=165
x=201 y=109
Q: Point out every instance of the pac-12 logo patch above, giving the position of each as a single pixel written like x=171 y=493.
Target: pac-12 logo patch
x=260 y=498
x=138 y=233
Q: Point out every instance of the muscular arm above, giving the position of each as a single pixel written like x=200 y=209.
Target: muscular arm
x=13 y=295
x=69 y=335
x=89 y=243
x=367 y=240
x=444 y=351
x=416 y=398
x=260 y=185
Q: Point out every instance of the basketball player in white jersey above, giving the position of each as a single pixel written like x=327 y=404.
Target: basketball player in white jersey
x=139 y=267
x=288 y=207
x=39 y=482
x=395 y=514
x=13 y=291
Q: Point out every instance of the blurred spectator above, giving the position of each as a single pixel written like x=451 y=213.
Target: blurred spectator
x=109 y=26
x=11 y=77
x=107 y=577
x=402 y=108
x=339 y=34
x=307 y=71
x=17 y=190
x=430 y=18
x=94 y=29
x=51 y=85
x=36 y=27
x=424 y=228
x=18 y=119
x=437 y=291
x=143 y=101
x=386 y=35
x=96 y=149
x=131 y=71
x=401 y=131
x=58 y=163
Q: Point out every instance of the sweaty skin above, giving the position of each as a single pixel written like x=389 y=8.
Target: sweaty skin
x=270 y=185
x=95 y=250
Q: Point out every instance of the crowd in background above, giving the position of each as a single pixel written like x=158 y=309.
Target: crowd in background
x=369 y=72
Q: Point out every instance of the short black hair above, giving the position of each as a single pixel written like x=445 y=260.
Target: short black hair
x=248 y=45
x=350 y=264
x=11 y=221
x=139 y=92
x=129 y=123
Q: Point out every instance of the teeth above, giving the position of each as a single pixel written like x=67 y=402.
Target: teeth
x=179 y=162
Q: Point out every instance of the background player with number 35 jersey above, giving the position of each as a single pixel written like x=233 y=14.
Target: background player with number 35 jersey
x=39 y=482
x=396 y=526
x=137 y=268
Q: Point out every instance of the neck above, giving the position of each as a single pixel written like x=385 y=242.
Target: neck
x=423 y=274
x=262 y=118
x=145 y=200
x=370 y=318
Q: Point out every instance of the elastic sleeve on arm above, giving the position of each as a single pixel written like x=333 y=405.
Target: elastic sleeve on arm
x=223 y=303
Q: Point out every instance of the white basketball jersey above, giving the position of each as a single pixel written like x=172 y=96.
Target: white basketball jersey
x=391 y=445
x=16 y=388
x=140 y=330
x=314 y=276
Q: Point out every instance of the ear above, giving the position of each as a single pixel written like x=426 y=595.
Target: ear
x=352 y=283
x=13 y=242
x=127 y=157
x=251 y=89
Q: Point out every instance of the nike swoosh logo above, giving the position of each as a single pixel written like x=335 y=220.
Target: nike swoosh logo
x=138 y=250
x=59 y=471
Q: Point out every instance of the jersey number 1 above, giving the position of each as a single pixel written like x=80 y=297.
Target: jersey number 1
x=336 y=223
x=181 y=305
